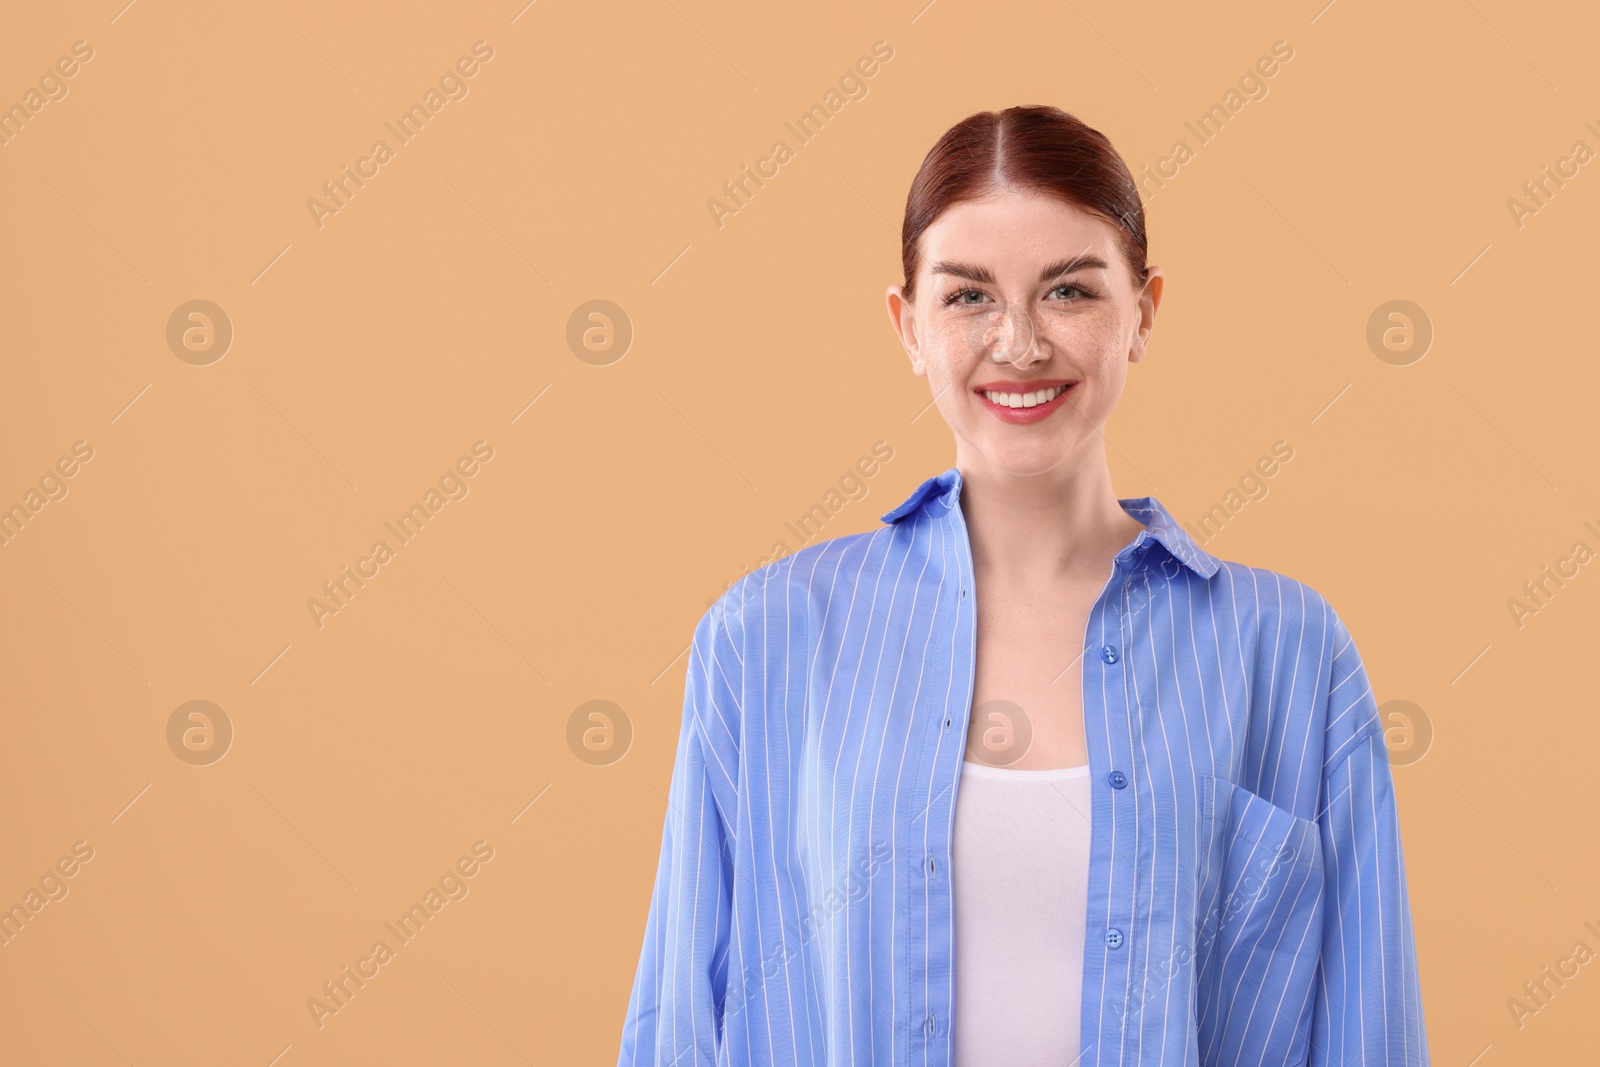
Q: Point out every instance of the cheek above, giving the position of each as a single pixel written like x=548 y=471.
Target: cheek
x=947 y=350
x=1090 y=339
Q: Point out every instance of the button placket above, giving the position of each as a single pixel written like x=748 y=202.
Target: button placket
x=1123 y=744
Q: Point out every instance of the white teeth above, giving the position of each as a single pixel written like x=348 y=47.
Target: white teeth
x=1025 y=400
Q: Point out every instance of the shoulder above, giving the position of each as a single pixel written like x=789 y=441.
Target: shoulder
x=799 y=586
x=1302 y=636
x=811 y=570
x=1279 y=607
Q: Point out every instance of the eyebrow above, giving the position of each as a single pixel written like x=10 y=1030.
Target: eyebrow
x=1054 y=270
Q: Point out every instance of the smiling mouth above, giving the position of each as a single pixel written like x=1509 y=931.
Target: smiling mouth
x=1037 y=398
x=1020 y=405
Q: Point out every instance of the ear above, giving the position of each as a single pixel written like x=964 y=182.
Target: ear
x=902 y=316
x=1149 y=303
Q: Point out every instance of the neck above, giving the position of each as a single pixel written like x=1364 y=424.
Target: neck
x=1035 y=527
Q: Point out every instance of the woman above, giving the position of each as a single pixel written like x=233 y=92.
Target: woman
x=1026 y=776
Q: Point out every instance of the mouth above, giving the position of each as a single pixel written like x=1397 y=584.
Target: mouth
x=1023 y=402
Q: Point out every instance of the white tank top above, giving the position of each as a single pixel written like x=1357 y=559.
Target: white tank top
x=1020 y=879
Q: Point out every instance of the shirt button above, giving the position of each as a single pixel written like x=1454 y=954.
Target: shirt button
x=1117 y=779
x=963 y=592
x=933 y=866
x=932 y=1026
x=947 y=724
x=1113 y=938
x=1108 y=653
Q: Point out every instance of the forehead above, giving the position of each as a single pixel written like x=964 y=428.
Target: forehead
x=1019 y=228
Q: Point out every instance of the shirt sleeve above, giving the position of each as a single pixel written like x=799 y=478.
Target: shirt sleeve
x=675 y=1010
x=1367 y=997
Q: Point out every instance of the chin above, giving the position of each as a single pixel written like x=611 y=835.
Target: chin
x=1025 y=460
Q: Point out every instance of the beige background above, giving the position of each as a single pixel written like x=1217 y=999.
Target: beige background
x=372 y=352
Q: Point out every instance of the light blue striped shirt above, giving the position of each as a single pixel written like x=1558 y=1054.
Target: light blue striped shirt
x=1247 y=894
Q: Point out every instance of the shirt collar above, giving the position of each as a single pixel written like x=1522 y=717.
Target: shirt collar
x=943 y=490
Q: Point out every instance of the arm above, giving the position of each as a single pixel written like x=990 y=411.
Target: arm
x=1367 y=1000
x=675 y=1009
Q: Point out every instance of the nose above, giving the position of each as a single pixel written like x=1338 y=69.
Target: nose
x=1008 y=337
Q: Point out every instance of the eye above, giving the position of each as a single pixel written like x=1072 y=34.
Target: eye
x=958 y=296
x=1079 y=290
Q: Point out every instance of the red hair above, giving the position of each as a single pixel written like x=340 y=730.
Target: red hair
x=1037 y=148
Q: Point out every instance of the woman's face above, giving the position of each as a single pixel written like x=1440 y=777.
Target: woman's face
x=1025 y=320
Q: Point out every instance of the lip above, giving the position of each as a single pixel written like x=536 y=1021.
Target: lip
x=1020 y=416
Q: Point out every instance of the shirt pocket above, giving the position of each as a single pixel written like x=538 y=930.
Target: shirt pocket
x=1260 y=933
